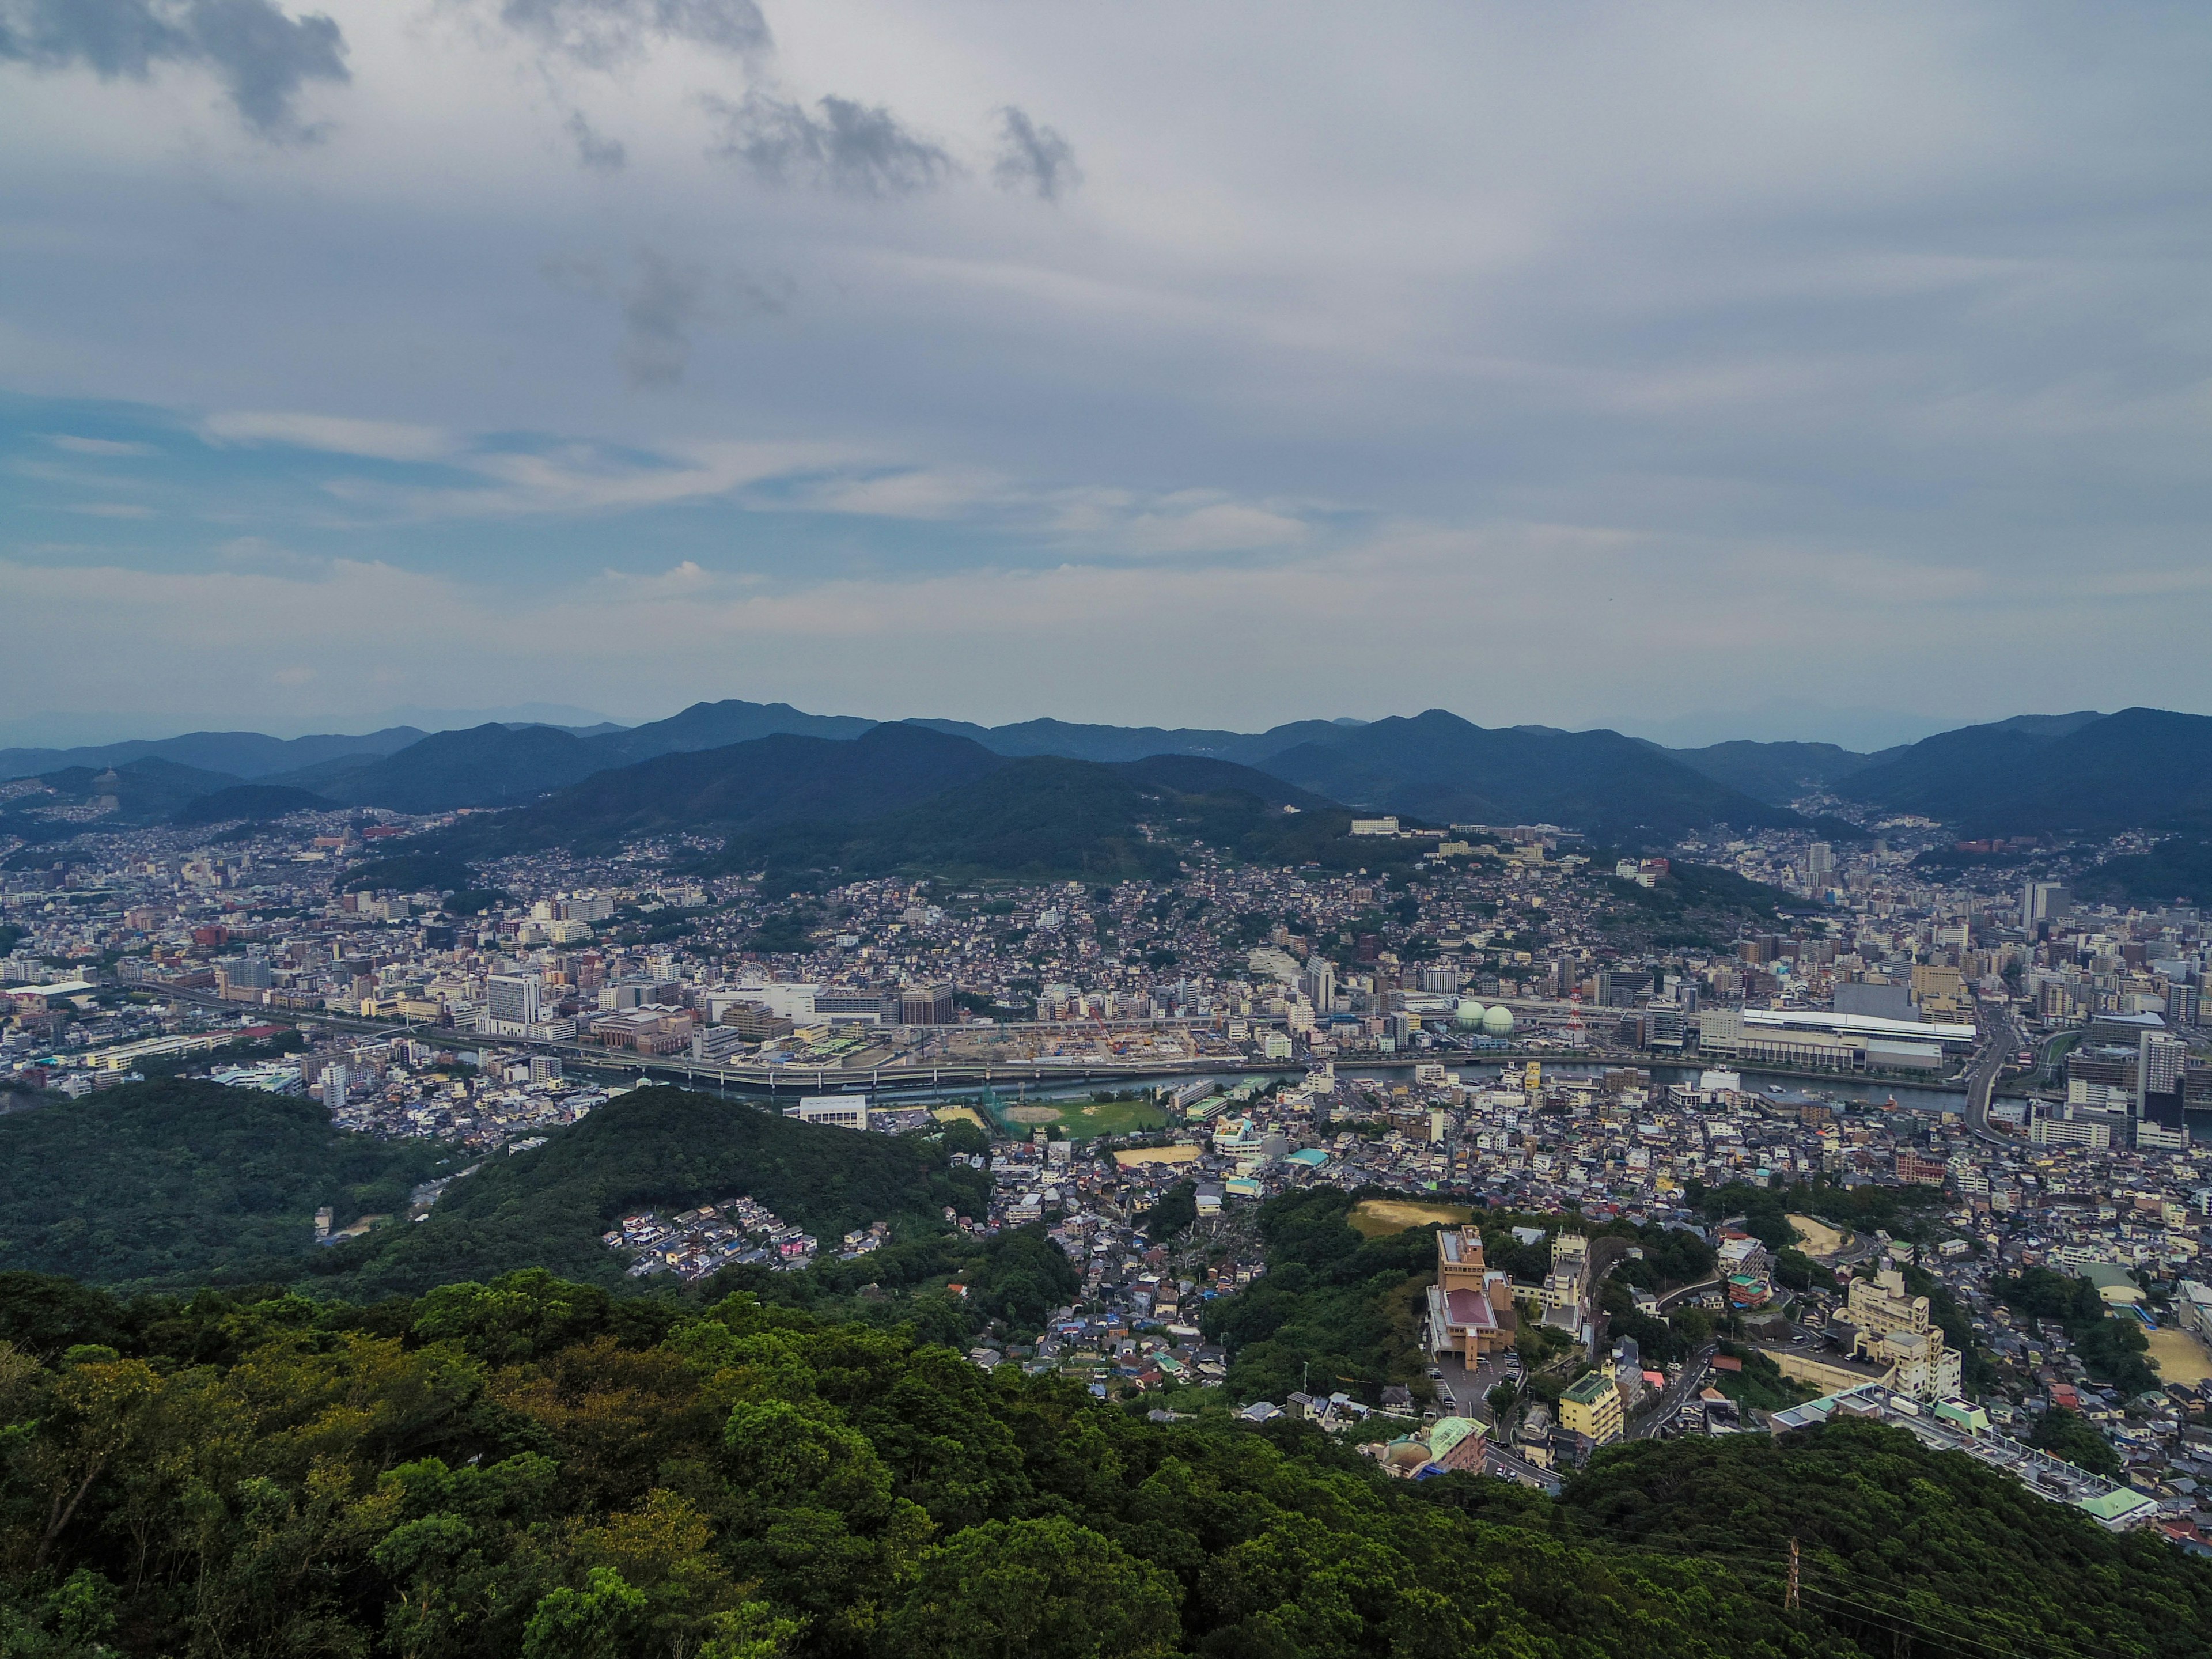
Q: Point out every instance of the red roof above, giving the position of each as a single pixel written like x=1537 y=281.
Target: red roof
x=1465 y=1307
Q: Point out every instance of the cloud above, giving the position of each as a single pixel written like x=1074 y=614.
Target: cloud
x=664 y=304
x=262 y=56
x=585 y=478
x=103 y=447
x=259 y=553
x=378 y=441
x=850 y=147
x=605 y=33
x=594 y=148
x=1033 y=158
x=112 y=510
x=660 y=310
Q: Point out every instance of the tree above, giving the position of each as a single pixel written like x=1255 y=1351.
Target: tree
x=1693 y=1325
x=1036 y=1590
x=1797 y=1270
x=604 y=1621
x=2070 y=1434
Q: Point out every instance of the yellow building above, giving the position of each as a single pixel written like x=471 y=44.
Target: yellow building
x=1592 y=1407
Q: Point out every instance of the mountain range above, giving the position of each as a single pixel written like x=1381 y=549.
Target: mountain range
x=2077 y=773
x=1436 y=766
x=905 y=796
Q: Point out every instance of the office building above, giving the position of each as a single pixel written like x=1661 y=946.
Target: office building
x=2158 y=1062
x=511 y=999
x=926 y=1005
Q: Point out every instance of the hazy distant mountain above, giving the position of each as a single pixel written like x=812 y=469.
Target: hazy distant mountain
x=747 y=787
x=503 y=764
x=241 y=754
x=903 y=796
x=2056 y=773
x=718 y=725
x=490 y=765
x=146 y=790
x=2079 y=774
x=1091 y=743
x=1777 y=773
x=1446 y=769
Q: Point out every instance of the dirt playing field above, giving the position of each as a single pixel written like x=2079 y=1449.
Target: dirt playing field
x=1373 y=1218
x=1819 y=1238
x=1159 y=1154
x=1030 y=1114
x=2179 y=1357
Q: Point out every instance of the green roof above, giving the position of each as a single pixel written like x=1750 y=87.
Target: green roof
x=1588 y=1391
x=2111 y=1505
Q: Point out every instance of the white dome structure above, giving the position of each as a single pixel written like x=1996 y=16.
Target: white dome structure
x=1468 y=1015
x=1497 y=1021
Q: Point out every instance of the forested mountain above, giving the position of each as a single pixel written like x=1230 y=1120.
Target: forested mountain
x=488 y=765
x=907 y=797
x=746 y=788
x=2079 y=773
x=660 y=1148
x=1072 y=741
x=1446 y=769
x=180 y=1183
x=718 y=725
x=241 y=754
x=2067 y=775
x=2178 y=868
x=147 y=790
x=532 y=1468
x=254 y=801
x=1777 y=773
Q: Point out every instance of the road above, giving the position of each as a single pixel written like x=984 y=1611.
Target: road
x=1668 y=1302
x=1655 y=1415
x=2000 y=1041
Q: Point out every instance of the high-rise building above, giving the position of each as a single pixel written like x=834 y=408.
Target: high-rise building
x=1821 y=863
x=2044 y=901
x=334 y=1088
x=2159 y=1060
x=1319 y=983
x=511 y=999
x=924 y=1004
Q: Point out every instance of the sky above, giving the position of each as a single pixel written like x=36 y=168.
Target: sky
x=1833 y=372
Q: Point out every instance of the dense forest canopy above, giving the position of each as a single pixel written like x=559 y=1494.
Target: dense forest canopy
x=537 y=1468
x=179 y=1183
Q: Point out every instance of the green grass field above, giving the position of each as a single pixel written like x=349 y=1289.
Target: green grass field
x=1079 y=1120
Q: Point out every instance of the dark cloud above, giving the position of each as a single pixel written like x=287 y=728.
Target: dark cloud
x=600 y=34
x=594 y=148
x=1033 y=158
x=849 y=147
x=665 y=304
x=261 y=56
x=660 y=310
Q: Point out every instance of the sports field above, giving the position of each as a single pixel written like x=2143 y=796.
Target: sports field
x=1081 y=1120
x=2178 y=1357
x=1820 y=1239
x=1373 y=1218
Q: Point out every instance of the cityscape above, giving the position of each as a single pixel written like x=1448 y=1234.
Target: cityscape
x=962 y=831
x=2000 y=1077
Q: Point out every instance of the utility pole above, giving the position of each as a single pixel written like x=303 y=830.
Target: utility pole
x=1789 y=1596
